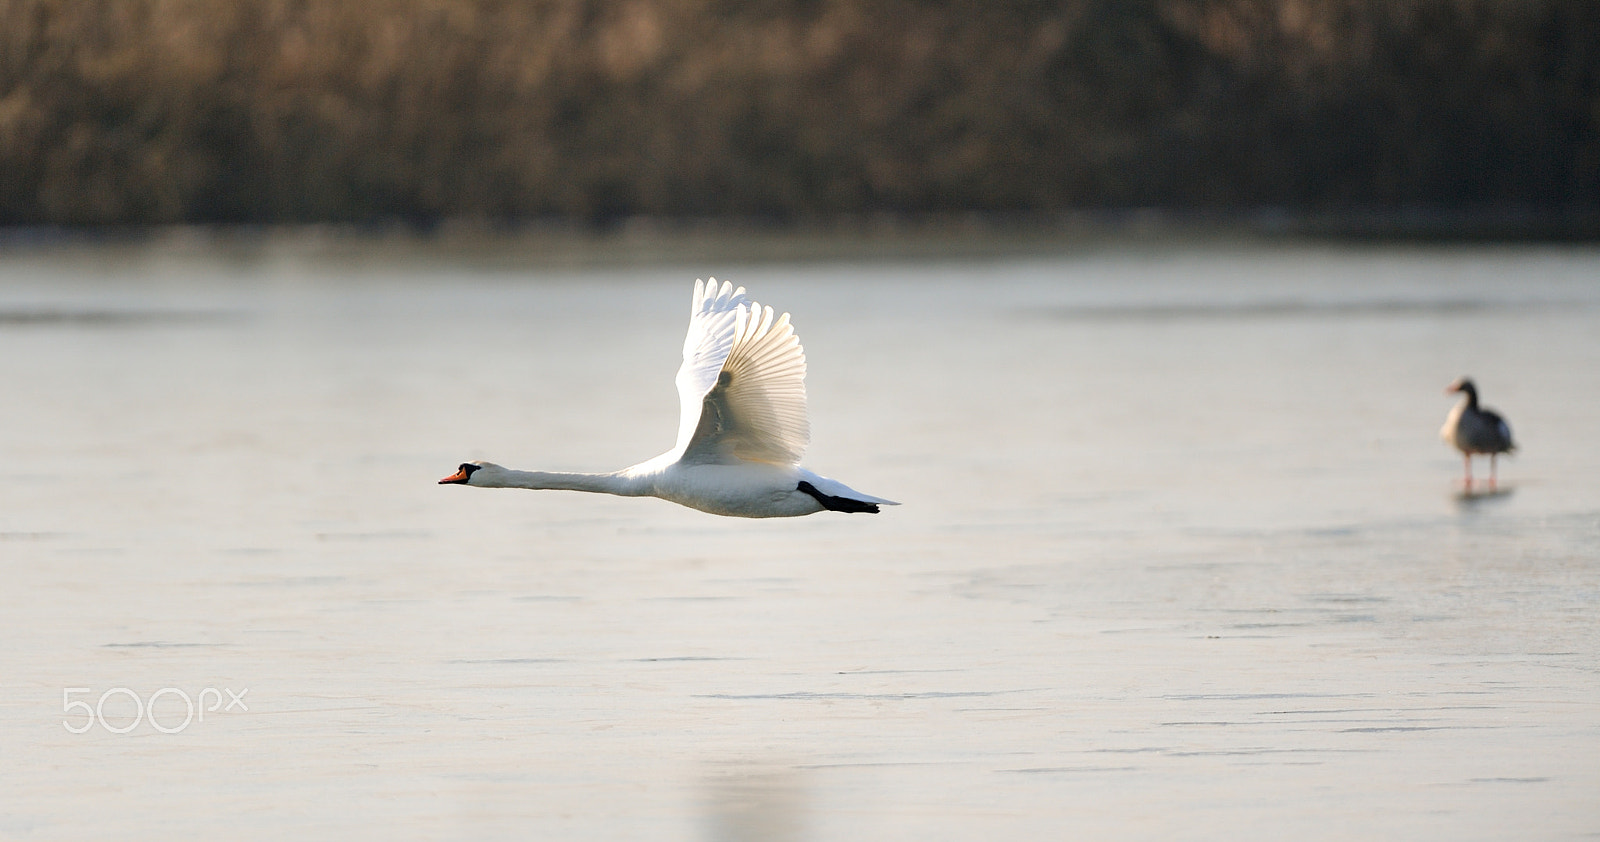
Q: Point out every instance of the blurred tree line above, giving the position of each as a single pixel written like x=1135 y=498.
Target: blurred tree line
x=143 y=111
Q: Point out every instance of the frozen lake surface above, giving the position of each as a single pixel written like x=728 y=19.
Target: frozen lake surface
x=1180 y=556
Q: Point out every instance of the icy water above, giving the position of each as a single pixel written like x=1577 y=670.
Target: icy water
x=1180 y=557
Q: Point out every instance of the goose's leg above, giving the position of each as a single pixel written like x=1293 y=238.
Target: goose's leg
x=1492 y=471
x=1466 y=461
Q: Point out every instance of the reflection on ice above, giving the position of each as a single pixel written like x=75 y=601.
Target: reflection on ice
x=1468 y=498
x=755 y=803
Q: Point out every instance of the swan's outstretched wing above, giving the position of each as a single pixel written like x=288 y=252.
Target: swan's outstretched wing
x=742 y=385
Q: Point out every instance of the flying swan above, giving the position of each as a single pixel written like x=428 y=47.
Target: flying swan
x=741 y=430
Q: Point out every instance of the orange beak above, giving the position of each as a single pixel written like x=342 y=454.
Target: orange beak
x=456 y=478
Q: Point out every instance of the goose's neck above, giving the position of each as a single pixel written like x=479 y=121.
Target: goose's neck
x=612 y=483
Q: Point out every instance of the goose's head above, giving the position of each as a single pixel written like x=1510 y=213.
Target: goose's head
x=473 y=473
x=1464 y=386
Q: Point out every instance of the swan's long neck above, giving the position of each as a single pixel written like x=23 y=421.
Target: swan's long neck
x=613 y=483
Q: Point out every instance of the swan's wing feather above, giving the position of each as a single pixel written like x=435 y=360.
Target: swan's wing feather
x=711 y=324
x=761 y=391
x=742 y=383
x=712 y=314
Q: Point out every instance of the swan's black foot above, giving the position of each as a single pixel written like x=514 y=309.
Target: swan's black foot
x=837 y=504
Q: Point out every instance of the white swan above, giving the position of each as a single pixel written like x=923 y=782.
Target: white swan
x=741 y=430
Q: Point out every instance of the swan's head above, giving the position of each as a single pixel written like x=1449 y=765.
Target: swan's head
x=468 y=474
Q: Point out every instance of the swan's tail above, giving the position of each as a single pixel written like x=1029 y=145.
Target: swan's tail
x=835 y=496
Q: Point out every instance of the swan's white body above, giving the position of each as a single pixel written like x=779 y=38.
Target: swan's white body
x=741 y=429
